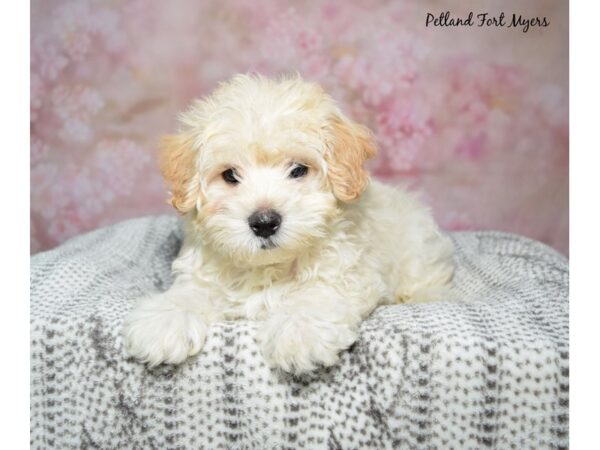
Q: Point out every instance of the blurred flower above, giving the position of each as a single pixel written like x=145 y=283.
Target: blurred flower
x=403 y=129
x=39 y=149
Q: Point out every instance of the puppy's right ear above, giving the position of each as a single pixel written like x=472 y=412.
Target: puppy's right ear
x=177 y=161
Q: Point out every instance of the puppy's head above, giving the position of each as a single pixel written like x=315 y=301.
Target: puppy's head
x=261 y=166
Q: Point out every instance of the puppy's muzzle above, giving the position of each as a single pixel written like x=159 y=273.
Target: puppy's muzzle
x=264 y=223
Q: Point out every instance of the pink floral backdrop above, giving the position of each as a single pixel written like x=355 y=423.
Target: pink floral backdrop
x=475 y=118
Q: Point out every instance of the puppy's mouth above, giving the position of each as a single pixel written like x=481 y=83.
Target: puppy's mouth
x=267 y=244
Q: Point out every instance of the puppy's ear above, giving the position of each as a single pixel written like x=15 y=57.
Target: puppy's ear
x=177 y=160
x=351 y=146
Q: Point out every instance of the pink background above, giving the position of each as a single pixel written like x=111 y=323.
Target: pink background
x=476 y=118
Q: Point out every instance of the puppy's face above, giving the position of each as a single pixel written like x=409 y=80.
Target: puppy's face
x=261 y=167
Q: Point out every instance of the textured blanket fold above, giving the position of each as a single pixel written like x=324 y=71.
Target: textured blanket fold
x=490 y=370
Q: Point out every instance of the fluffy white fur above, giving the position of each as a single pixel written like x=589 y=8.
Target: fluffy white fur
x=344 y=246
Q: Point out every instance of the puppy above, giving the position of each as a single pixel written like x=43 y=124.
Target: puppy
x=284 y=228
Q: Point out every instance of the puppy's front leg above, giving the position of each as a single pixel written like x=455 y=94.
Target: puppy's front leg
x=310 y=328
x=170 y=326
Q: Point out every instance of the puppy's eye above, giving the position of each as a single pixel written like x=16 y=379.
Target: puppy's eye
x=299 y=171
x=230 y=176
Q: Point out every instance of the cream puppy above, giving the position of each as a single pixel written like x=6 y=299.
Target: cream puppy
x=284 y=228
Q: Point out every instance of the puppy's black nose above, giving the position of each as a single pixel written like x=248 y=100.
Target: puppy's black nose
x=265 y=222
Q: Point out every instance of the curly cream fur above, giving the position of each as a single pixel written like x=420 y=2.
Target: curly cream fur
x=345 y=245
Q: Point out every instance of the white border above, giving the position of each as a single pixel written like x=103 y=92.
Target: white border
x=584 y=122
x=14 y=241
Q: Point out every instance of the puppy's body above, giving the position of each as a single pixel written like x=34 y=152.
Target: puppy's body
x=339 y=247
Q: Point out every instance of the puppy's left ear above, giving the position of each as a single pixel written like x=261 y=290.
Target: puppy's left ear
x=351 y=146
x=177 y=160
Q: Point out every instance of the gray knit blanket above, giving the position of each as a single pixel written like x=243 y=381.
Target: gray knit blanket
x=488 y=370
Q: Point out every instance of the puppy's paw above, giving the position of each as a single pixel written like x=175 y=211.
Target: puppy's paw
x=300 y=345
x=157 y=331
